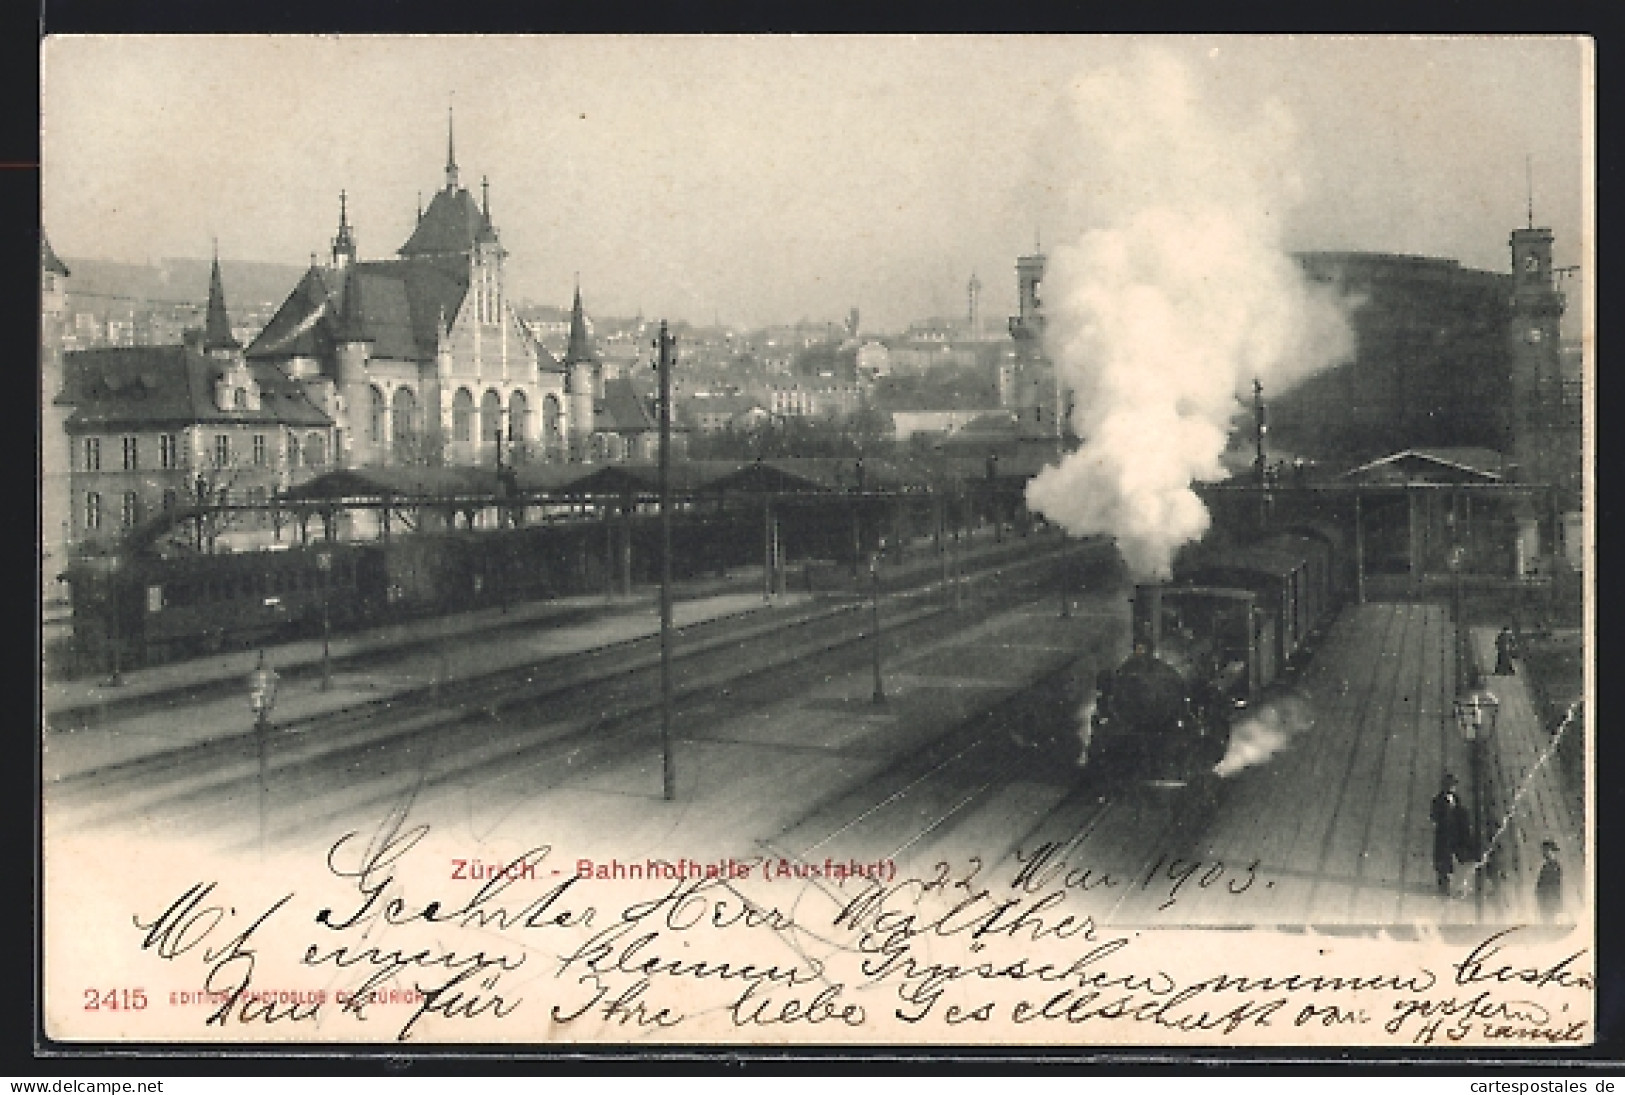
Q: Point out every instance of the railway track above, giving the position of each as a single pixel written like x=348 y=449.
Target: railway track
x=558 y=717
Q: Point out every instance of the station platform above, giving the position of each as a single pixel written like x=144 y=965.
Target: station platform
x=1527 y=799
x=90 y=724
x=468 y=649
x=1345 y=763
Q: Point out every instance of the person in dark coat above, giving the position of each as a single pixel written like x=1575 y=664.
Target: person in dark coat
x=1452 y=831
x=1503 y=653
x=1549 y=884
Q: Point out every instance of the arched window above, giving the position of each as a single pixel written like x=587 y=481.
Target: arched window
x=239 y=399
x=315 y=450
x=518 y=421
x=293 y=450
x=462 y=418
x=490 y=420
x=550 y=422
x=404 y=421
x=378 y=417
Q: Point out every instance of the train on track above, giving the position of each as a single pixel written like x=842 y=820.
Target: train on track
x=1208 y=645
x=153 y=607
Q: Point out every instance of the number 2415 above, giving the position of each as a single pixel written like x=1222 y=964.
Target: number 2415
x=115 y=1000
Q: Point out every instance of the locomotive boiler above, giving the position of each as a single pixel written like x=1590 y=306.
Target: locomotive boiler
x=1208 y=644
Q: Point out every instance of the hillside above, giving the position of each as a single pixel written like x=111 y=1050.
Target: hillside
x=180 y=281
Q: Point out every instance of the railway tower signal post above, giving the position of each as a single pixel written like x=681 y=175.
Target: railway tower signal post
x=666 y=345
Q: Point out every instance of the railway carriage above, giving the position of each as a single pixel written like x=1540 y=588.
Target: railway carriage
x=1207 y=645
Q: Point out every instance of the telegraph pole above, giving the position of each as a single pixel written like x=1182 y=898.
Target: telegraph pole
x=667 y=347
x=1260 y=469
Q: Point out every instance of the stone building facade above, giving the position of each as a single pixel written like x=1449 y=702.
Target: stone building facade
x=422 y=359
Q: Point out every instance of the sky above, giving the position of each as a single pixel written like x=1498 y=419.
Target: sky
x=773 y=179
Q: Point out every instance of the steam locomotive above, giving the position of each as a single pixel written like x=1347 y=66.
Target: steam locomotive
x=1207 y=645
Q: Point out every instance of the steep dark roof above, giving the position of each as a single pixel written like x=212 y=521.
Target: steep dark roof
x=581 y=348
x=217 y=325
x=622 y=410
x=302 y=327
x=48 y=259
x=396 y=305
x=170 y=386
x=452 y=225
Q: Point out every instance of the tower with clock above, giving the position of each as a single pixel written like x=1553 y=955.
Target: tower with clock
x=1537 y=385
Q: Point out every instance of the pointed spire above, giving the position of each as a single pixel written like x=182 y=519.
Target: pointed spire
x=580 y=348
x=1529 y=184
x=217 y=324
x=485 y=197
x=420 y=205
x=344 y=241
x=451 y=154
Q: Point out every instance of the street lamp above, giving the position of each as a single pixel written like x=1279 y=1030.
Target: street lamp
x=261 y=700
x=324 y=563
x=1475 y=715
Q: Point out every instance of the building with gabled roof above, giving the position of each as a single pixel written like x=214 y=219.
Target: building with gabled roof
x=150 y=428
x=421 y=358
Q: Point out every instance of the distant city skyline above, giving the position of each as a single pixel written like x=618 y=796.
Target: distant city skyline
x=767 y=180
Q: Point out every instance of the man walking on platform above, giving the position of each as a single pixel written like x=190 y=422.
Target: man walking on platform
x=1549 y=884
x=1452 y=832
x=1504 y=643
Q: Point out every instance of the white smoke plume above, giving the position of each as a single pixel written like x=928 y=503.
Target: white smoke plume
x=1172 y=292
x=1264 y=733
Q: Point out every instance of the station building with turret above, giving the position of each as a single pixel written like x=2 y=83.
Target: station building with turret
x=421 y=359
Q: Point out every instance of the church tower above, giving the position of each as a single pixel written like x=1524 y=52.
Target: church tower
x=1042 y=403
x=1535 y=352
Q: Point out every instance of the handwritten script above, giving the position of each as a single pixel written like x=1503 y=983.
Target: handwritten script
x=534 y=947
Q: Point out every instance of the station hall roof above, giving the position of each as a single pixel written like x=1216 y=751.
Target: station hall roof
x=1434 y=465
x=797 y=475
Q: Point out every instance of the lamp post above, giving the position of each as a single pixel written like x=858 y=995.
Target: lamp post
x=324 y=563
x=874 y=616
x=1475 y=715
x=261 y=700
x=1457 y=558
